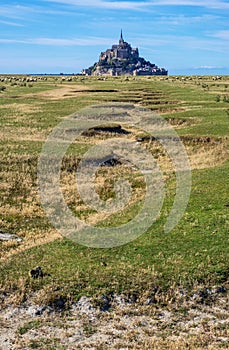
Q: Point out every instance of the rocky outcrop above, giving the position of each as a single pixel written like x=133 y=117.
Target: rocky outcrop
x=122 y=59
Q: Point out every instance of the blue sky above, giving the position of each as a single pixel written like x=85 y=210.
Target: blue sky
x=53 y=36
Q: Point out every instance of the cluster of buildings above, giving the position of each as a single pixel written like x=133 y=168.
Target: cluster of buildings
x=122 y=59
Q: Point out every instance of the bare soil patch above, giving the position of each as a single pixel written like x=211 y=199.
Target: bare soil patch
x=59 y=92
x=189 y=323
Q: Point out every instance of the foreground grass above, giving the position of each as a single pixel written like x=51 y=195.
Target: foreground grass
x=195 y=252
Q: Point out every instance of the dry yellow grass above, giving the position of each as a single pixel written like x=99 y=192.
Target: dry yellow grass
x=30 y=239
x=201 y=155
x=60 y=92
x=22 y=107
x=22 y=134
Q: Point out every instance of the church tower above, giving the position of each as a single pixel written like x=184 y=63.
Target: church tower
x=121 y=41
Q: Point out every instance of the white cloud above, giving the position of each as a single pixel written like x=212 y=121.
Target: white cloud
x=208 y=67
x=141 y=5
x=90 y=41
x=184 y=20
x=14 y=24
x=19 y=12
x=104 y=4
x=182 y=42
x=222 y=34
x=200 y=3
x=14 y=11
x=12 y=41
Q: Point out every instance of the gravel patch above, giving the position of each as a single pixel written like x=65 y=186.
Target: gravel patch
x=124 y=325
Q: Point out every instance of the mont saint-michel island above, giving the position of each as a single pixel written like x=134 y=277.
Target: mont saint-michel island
x=122 y=59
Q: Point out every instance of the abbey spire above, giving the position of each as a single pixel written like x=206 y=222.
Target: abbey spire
x=121 y=41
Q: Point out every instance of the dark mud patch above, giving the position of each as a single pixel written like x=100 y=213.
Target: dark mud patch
x=98 y=130
x=97 y=90
x=184 y=138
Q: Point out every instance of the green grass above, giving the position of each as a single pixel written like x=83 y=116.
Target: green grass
x=196 y=251
x=29 y=325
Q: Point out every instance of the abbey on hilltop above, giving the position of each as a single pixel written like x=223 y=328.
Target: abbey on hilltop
x=122 y=59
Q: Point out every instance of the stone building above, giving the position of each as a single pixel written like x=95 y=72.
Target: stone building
x=122 y=59
x=122 y=51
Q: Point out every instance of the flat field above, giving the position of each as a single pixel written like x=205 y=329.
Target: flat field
x=160 y=291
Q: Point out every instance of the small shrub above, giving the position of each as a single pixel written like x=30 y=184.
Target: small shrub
x=89 y=329
x=205 y=86
x=29 y=325
x=217 y=98
x=2 y=88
